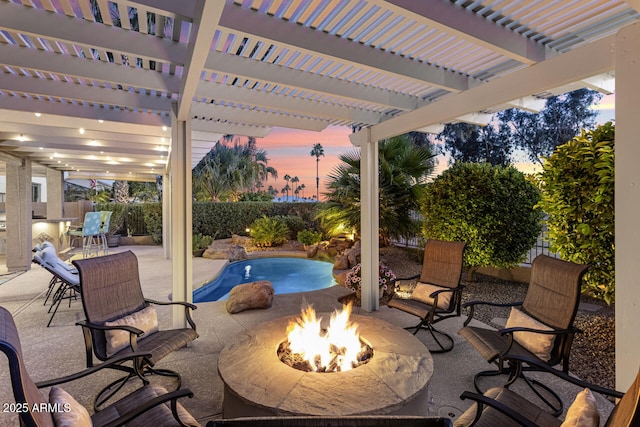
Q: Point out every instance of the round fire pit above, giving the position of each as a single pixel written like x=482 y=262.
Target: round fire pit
x=258 y=383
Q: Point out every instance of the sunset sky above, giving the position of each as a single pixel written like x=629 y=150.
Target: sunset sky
x=289 y=151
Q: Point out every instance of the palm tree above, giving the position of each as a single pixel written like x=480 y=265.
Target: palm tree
x=403 y=169
x=295 y=180
x=287 y=178
x=302 y=187
x=317 y=151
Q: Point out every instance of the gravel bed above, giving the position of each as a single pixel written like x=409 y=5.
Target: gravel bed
x=593 y=351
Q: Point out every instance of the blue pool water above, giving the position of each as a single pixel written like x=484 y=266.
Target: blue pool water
x=287 y=275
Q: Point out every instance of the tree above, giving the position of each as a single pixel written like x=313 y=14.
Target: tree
x=578 y=195
x=473 y=143
x=537 y=134
x=294 y=181
x=316 y=152
x=403 y=170
x=228 y=170
x=121 y=192
x=491 y=208
x=287 y=178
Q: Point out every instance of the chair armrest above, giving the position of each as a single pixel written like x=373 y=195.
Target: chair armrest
x=187 y=309
x=186 y=304
x=150 y=404
x=471 y=305
x=498 y=406
x=131 y=329
x=88 y=371
x=408 y=278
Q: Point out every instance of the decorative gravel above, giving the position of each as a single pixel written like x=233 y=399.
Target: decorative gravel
x=593 y=351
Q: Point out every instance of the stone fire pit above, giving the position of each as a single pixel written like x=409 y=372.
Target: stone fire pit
x=393 y=382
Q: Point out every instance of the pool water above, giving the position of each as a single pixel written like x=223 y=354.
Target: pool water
x=287 y=275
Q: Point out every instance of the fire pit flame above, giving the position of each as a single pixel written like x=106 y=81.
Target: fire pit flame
x=338 y=348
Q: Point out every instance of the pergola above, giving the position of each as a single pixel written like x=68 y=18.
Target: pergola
x=143 y=88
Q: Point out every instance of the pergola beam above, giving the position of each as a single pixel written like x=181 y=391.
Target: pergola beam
x=580 y=63
x=454 y=20
x=291 y=34
x=287 y=77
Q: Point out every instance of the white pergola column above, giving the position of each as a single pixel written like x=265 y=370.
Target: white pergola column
x=166 y=214
x=19 y=214
x=55 y=193
x=627 y=205
x=369 y=218
x=180 y=213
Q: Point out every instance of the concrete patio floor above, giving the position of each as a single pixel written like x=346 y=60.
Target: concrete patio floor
x=58 y=350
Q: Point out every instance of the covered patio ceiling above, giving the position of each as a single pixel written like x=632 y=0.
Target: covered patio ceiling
x=88 y=86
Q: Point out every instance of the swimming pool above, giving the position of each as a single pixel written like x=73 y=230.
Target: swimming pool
x=287 y=275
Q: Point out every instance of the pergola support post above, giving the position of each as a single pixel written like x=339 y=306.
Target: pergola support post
x=627 y=205
x=19 y=213
x=180 y=216
x=55 y=194
x=369 y=218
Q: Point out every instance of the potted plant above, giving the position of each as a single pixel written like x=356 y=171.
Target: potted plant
x=386 y=280
x=200 y=243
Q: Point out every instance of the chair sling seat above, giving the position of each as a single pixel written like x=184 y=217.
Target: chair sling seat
x=493 y=418
x=160 y=416
x=161 y=343
x=487 y=342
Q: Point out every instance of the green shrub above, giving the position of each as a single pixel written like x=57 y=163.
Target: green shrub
x=309 y=237
x=153 y=218
x=268 y=231
x=116 y=222
x=578 y=195
x=199 y=241
x=294 y=223
x=491 y=208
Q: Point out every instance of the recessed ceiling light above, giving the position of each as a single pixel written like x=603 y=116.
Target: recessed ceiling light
x=38 y=114
x=100 y=121
x=40 y=148
x=81 y=130
x=164 y=128
x=21 y=138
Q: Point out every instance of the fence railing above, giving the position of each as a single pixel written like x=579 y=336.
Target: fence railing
x=541 y=246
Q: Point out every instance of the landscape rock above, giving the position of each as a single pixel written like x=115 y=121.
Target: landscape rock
x=230 y=252
x=312 y=251
x=341 y=263
x=250 y=296
x=243 y=241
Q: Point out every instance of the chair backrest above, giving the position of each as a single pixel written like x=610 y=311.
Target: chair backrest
x=25 y=391
x=105 y=219
x=91 y=225
x=442 y=265
x=554 y=291
x=110 y=288
x=627 y=411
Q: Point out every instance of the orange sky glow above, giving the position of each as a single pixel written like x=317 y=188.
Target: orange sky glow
x=288 y=150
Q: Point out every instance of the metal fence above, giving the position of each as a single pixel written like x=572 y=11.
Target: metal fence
x=541 y=246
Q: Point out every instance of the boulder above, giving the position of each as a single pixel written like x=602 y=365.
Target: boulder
x=250 y=296
x=341 y=263
x=312 y=251
x=241 y=240
x=230 y=252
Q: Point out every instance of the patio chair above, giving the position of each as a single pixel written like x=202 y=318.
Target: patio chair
x=105 y=220
x=121 y=322
x=438 y=294
x=346 y=421
x=540 y=327
x=502 y=407
x=90 y=233
x=64 y=283
x=149 y=405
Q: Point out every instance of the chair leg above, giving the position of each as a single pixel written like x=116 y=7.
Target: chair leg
x=517 y=371
x=442 y=348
